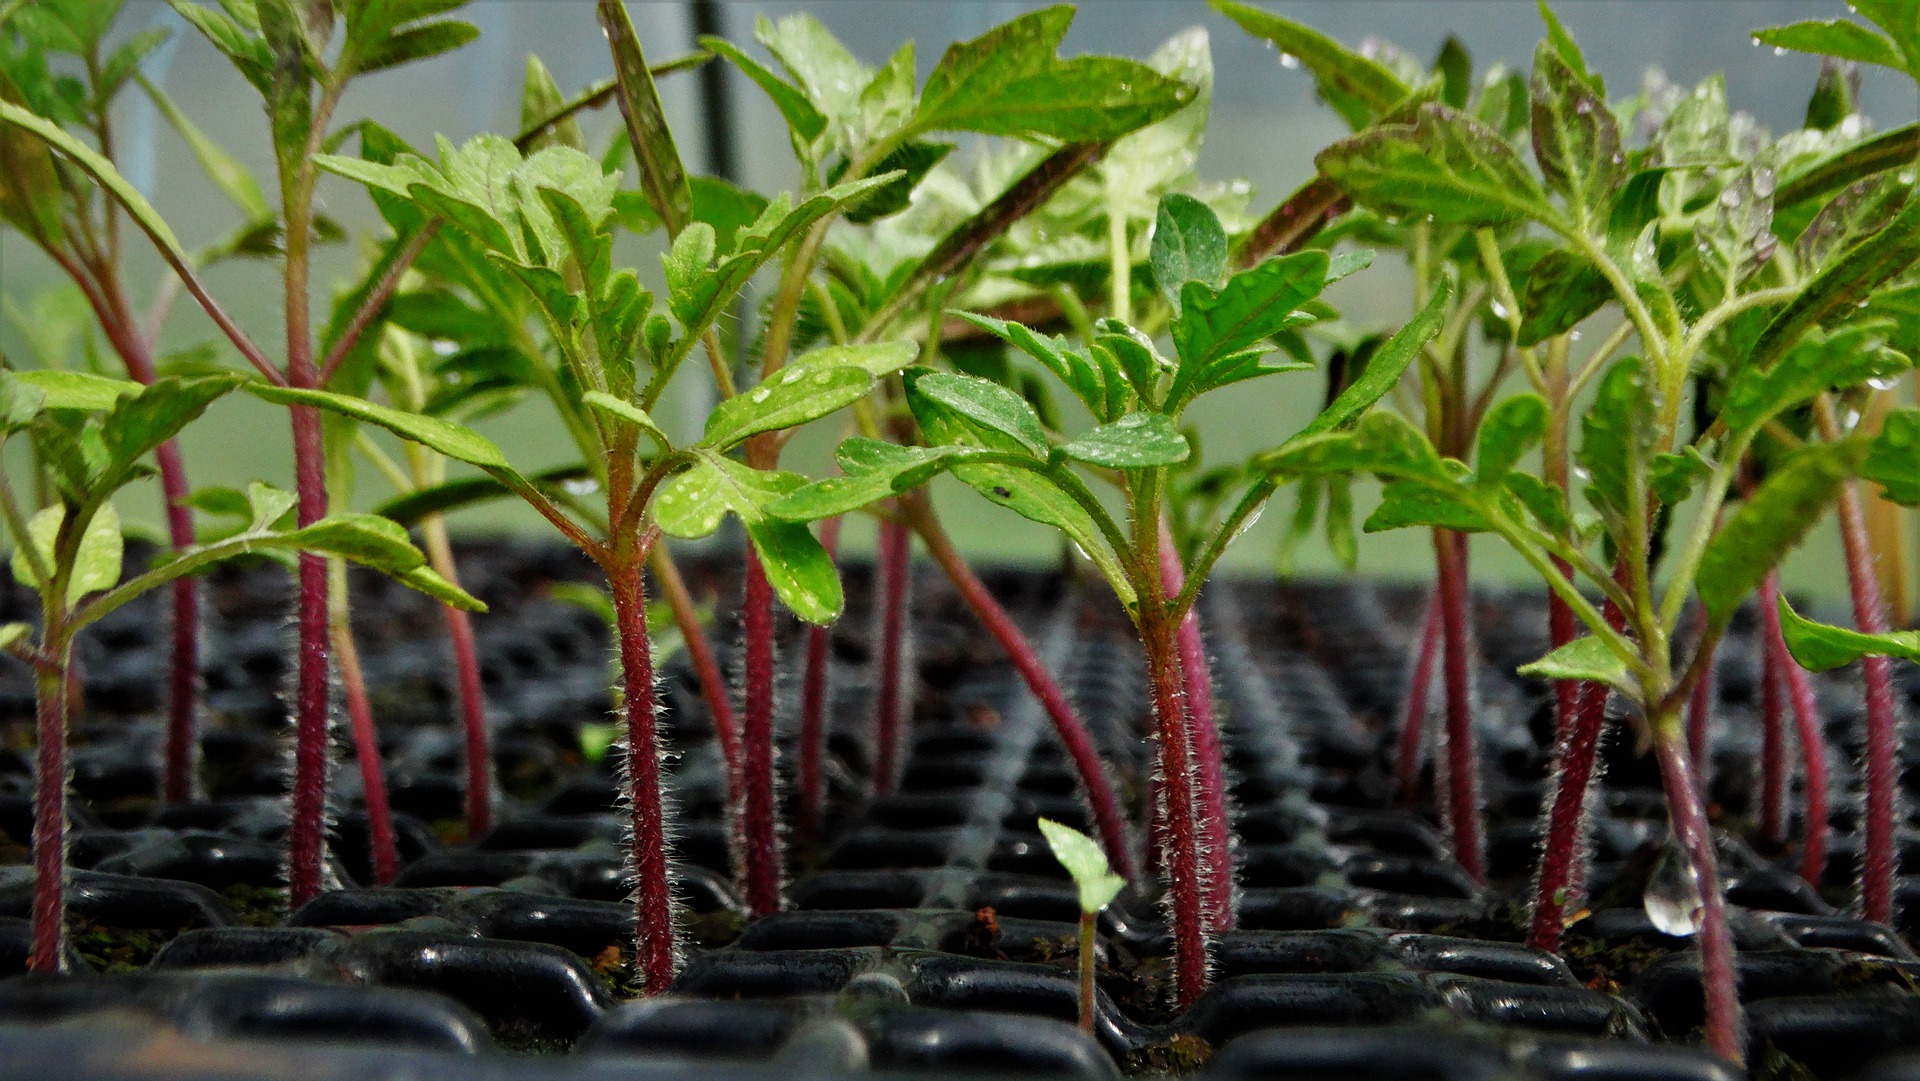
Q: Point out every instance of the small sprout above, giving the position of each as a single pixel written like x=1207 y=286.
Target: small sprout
x=1098 y=887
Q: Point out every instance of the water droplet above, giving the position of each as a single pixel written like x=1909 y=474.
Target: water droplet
x=1673 y=894
x=1573 y=335
x=1756 y=41
x=1763 y=183
x=1730 y=197
x=790 y=375
x=1288 y=60
x=445 y=348
x=1883 y=382
x=1583 y=106
x=581 y=486
x=823 y=376
x=760 y=394
x=1499 y=310
x=1779 y=50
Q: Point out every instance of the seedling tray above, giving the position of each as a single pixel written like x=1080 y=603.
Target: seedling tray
x=930 y=933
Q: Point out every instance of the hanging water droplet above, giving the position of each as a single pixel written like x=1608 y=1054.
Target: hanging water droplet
x=1288 y=60
x=1763 y=183
x=1673 y=894
x=1756 y=41
x=1573 y=335
x=1883 y=382
x=1779 y=50
x=1499 y=310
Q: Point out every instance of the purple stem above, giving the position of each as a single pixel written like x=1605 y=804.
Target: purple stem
x=1690 y=829
x=1216 y=836
x=1180 y=858
x=1463 y=761
x=1883 y=742
x=307 y=835
x=1413 y=712
x=1773 y=720
x=1813 y=749
x=813 y=710
x=653 y=897
x=760 y=834
x=893 y=566
x=50 y=820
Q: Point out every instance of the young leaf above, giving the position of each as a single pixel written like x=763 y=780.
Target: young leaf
x=1359 y=88
x=1894 y=461
x=1101 y=387
x=1135 y=441
x=1443 y=164
x=791 y=397
x=1822 y=647
x=800 y=114
x=541 y=99
x=1762 y=530
x=77 y=390
x=1510 y=430
x=1188 y=246
x=96 y=564
x=1406 y=503
x=1843 y=283
x=1253 y=304
x=1381 y=443
x=662 y=176
x=1617 y=434
x=628 y=413
x=1575 y=139
x=1384 y=368
x=1834 y=37
x=1584 y=658
x=987 y=404
x=875 y=470
x=1086 y=863
x=876 y=359
x=101 y=170
x=1672 y=476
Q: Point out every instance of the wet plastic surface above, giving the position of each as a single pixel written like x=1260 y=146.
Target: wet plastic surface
x=929 y=933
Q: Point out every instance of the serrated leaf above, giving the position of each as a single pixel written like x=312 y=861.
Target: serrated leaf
x=1253 y=305
x=1822 y=647
x=876 y=359
x=1844 y=358
x=1135 y=441
x=1092 y=382
x=96 y=562
x=1833 y=37
x=1763 y=529
x=1189 y=245
x=1894 y=461
x=1381 y=443
x=626 y=412
x=1442 y=164
x=875 y=470
x=800 y=114
x=540 y=98
x=662 y=176
x=1384 y=368
x=417 y=43
x=138 y=423
x=1511 y=429
x=1086 y=864
x=1586 y=658
x=247 y=51
x=790 y=397
x=1575 y=138
x=1360 y=88
x=1843 y=283
x=266 y=505
x=912 y=161
x=988 y=405
x=1405 y=503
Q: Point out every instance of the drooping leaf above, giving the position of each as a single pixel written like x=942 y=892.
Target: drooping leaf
x=1442 y=164
x=1672 y=476
x=1406 y=504
x=1762 y=530
x=461 y=492
x=987 y=404
x=1822 y=647
x=911 y=162
x=138 y=423
x=628 y=413
x=1584 y=658
x=418 y=42
x=693 y=503
x=1381 y=442
x=96 y=562
x=1616 y=437
x=799 y=569
x=1082 y=374
x=1358 y=87
x=875 y=358
x=1189 y=245
x=1086 y=864
x=1135 y=441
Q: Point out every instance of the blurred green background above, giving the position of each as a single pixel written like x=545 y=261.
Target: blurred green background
x=1266 y=127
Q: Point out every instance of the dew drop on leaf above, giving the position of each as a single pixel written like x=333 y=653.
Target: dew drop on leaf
x=1288 y=60
x=1673 y=894
x=1779 y=50
x=760 y=394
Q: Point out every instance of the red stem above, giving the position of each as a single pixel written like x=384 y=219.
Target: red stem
x=714 y=689
x=1563 y=857
x=1689 y=819
x=1562 y=626
x=1216 y=837
x=50 y=821
x=653 y=896
x=1413 y=712
x=1067 y=726
x=366 y=745
x=760 y=852
x=813 y=709
x=1773 y=720
x=1700 y=718
x=894 y=561
x=1882 y=773
x=1180 y=859
x=1463 y=760
x=1813 y=753
x=473 y=720
x=307 y=835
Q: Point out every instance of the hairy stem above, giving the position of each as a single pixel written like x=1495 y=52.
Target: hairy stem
x=893 y=566
x=1688 y=815
x=653 y=896
x=1773 y=721
x=813 y=710
x=1882 y=858
x=1179 y=861
x=1216 y=835
x=714 y=690
x=760 y=854
x=1067 y=725
x=1413 y=712
x=1813 y=753
x=49 y=952
x=366 y=742
x=1700 y=717
x=1463 y=763
x=312 y=692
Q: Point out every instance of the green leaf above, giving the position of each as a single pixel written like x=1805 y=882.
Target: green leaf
x=1547 y=503
x=1758 y=535
x=1833 y=37
x=790 y=397
x=461 y=492
x=1092 y=382
x=1844 y=358
x=628 y=413
x=1086 y=863
x=20 y=402
x=417 y=43
x=96 y=563
x=1822 y=647
x=693 y=503
x=1562 y=42
x=1511 y=429
x=987 y=404
x=371 y=541
x=662 y=176
x=222 y=168
x=912 y=162
x=1188 y=246
x=1585 y=658
x=267 y=506
x=138 y=423
x=1381 y=443
x=799 y=569
x=1575 y=139
x=1894 y=461
x=1616 y=437
x=1843 y=283
x=875 y=470
x=1405 y=504
x=540 y=98
x=1562 y=289
x=823 y=68
x=1135 y=441
x=1253 y=305
x=1360 y=88
x=876 y=359
x=1443 y=164
x=800 y=114
x=77 y=390
x=14 y=635
x=1384 y=368
x=1009 y=82
x=247 y=51
x=1673 y=476
x=453 y=440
